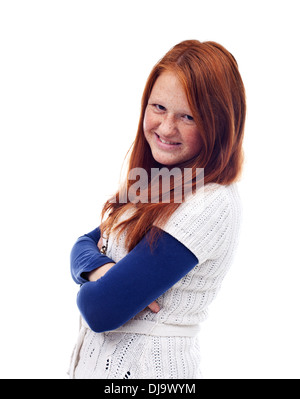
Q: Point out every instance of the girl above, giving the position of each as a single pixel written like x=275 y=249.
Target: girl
x=165 y=251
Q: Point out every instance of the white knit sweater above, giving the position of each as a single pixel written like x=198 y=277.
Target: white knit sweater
x=207 y=224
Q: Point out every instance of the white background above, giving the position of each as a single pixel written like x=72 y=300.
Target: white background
x=71 y=79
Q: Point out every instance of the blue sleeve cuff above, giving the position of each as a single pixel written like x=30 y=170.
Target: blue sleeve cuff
x=86 y=257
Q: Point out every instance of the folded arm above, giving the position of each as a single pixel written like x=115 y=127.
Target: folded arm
x=135 y=281
x=86 y=257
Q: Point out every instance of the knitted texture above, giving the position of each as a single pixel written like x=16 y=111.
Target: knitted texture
x=208 y=225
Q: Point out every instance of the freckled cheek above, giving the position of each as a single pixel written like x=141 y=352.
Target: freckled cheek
x=150 y=122
x=193 y=141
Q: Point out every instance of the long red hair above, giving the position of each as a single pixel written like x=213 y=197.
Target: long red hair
x=216 y=96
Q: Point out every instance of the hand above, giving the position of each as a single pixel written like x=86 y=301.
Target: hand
x=154 y=307
x=98 y=273
x=100 y=243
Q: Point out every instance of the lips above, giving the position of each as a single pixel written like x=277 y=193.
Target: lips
x=166 y=142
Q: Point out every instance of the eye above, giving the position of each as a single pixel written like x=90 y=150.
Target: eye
x=189 y=118
x=159 y=107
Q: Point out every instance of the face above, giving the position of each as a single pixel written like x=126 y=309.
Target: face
x=169 y=127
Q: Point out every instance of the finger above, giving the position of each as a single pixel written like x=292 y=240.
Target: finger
x=100 y=243
x=154 y=307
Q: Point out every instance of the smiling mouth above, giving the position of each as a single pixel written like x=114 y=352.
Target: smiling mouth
x=166 y=142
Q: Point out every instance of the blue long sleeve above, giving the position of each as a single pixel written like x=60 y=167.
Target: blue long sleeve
x=85 y=256
x=134 y=282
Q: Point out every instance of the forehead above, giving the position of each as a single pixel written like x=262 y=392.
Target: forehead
x=169 y=88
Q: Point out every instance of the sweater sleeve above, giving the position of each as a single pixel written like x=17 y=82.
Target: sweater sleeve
x=85 y=256
x=205 y=223
x=134 y=282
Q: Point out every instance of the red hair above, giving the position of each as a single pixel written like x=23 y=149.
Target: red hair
x=216 y=96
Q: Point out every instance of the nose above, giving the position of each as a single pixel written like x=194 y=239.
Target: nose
x=167 y=127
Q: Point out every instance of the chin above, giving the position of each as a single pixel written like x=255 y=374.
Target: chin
x=165 y=162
